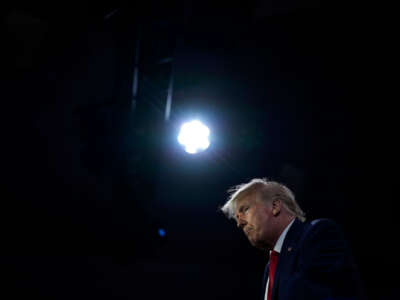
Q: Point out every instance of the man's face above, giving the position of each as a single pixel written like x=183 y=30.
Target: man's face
x=255 y=218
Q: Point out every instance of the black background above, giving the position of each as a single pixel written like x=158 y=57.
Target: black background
x=296 y=92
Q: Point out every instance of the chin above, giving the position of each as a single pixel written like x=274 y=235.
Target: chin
x=258 y=245
x=261 y=247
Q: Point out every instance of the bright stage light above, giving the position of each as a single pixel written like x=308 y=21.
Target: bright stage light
x=194 y=137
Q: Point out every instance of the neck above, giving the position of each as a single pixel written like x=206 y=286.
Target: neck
x=282 y=226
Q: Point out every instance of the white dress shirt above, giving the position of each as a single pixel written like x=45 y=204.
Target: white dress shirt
x=277 y=248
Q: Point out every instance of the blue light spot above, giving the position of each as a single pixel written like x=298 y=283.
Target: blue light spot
x=161 y=232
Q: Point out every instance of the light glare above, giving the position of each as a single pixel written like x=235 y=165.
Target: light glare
x=194 y=137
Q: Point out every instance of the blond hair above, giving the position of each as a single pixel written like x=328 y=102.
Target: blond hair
x=265 y=190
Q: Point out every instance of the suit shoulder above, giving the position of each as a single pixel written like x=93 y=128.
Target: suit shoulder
x=323 y=227
x=324 y=222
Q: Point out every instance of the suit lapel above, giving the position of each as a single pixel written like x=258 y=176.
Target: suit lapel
x=264 y=283
x=289 y=248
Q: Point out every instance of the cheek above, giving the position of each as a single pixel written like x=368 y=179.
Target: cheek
x=257 y=220
x=255 y=223
x=260 y=224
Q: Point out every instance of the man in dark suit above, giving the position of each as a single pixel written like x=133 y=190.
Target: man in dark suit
x=308 y=260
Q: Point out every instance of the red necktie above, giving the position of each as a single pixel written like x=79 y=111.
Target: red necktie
x=273 y=261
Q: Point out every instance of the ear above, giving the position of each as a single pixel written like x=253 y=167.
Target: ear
x=276 y=206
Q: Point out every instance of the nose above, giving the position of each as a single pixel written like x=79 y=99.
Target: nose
x=240 y=221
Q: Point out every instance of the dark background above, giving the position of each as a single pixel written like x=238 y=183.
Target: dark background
x=296 y=91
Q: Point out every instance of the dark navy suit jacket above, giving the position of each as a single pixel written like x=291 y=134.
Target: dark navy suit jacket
x=315 y=263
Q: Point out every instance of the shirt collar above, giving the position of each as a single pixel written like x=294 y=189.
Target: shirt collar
x=279 y=243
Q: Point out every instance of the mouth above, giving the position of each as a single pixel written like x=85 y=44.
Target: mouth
x=247 y=231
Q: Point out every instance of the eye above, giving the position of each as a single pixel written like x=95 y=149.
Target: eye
x=246 y=208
